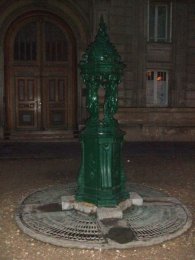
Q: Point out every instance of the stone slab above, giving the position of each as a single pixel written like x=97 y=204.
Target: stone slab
x=67 y=202
x=108 y=213
x=85 y=207
x=125 y=204
x=136 y=199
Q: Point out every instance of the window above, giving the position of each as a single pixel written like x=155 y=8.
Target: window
x=156 y=88
x=56 y=44
x=159 y=21
x=25 y=44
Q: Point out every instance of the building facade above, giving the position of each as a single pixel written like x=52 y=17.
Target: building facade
x=41 y=92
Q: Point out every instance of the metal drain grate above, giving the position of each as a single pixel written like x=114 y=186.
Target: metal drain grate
x=69 y=225
x=40 y=216
x=155 y=221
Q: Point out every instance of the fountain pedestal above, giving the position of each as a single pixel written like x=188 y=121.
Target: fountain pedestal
x=101 y=178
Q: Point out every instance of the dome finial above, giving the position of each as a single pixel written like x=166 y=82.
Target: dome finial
x=102 y=31
x=101 y=20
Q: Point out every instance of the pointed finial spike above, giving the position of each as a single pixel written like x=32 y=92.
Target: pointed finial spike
x=102 y=28
x=101 y=19
x=102 y=24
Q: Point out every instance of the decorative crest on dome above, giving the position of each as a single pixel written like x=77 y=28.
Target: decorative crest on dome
x=101 y=55
x=101 y=66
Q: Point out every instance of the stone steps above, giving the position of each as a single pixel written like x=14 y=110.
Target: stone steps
x=42 y=136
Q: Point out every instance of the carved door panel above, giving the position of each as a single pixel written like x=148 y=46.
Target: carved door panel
x=57 y=103
x=40 y=88
x=26 y=103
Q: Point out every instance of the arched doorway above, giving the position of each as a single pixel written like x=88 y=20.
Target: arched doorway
x=40 y=75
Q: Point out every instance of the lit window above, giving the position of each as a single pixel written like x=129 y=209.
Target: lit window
x=157 y=88
x=159 y=21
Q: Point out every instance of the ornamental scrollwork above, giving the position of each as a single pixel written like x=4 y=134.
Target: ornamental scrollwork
x=101 y=66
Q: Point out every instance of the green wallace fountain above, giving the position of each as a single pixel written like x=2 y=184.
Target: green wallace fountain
x=100 y=210
x=101 y=178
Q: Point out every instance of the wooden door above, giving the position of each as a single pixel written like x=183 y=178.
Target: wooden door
x=58 y=99
x=40 y=76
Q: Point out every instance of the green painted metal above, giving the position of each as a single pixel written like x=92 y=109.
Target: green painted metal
x=101 y=178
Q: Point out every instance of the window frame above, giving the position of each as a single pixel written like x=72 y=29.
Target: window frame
x=155 y=102
x=168 y=25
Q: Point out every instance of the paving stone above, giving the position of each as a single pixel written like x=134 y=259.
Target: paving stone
x=106 y=213
x=67 y=202
x=125 y=204
x=136 y=199
x=85 y=207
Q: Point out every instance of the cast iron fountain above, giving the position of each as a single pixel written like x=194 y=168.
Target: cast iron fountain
x=102 y=210
x=101 y=179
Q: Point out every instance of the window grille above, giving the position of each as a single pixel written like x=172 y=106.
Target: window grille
x=25 y=44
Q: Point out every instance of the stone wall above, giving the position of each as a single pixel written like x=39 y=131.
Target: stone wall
x=190 y=58
x=127 y=27
x=127 y=23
